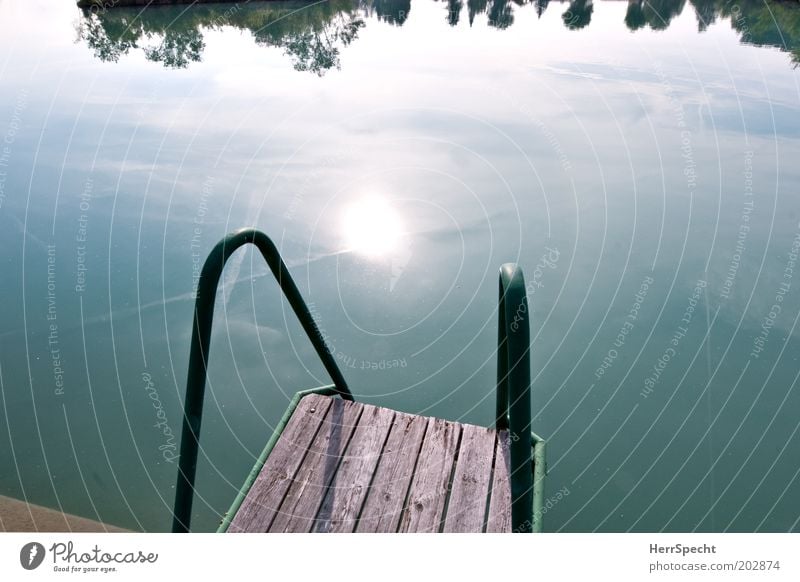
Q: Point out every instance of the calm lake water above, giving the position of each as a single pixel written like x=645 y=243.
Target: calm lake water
x=640 y=161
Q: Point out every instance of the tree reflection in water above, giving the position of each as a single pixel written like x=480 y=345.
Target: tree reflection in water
x=313 y=35
x=578 y=14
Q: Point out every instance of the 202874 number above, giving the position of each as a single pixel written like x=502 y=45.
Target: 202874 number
x=758 y=565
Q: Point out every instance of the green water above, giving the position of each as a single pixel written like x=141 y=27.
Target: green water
x=638 y=160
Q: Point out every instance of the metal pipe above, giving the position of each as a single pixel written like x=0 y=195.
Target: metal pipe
x=198 y=358
x=539 y=473
x=514 y=391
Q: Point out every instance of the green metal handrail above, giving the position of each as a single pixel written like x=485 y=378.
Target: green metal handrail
x=539 y=473
x=514 y=392
x=198 y=358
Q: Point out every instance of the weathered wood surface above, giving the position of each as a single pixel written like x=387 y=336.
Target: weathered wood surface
x=344 y=499
x=342 y=466
x=469 y=495
x=387 y=494
x=318 y=470
x=269 y=489
x=500 y=502
x=424 y=511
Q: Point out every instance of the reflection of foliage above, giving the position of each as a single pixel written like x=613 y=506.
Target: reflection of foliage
x=657 y=14
x=541 y=6
x=317 y=50
x=113 y=33
x=311 y=35
x=98 y=34
x=177 y=49
x=706 y=11
x=454 y=11
x=578 y=14
x=476 y=7
x=635 y=17
x=761 y=23
x=501 y=15
x=391 y=11
x=758 y=22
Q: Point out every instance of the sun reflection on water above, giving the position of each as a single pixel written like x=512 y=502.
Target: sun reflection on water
x=372 y=227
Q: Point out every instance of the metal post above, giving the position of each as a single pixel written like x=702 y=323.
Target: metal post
x=514 y=391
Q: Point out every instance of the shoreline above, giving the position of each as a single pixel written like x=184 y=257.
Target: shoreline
x=19 y=516
x=107 y=4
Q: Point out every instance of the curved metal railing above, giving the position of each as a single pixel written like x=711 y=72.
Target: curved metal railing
x=514 y=392
x=513 y=377
x=198 y=358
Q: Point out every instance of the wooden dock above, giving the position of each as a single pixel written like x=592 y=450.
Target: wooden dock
x=336 y=465
x=341 y=466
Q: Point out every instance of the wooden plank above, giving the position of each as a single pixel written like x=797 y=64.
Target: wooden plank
x=431 y=482
x=500 y=496
x=346 y=494
x=262 y=501
x=466 y=509
x=305 y=494
x=387 y=493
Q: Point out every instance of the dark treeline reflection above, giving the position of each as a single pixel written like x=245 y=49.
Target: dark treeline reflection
x=173 y=35
x=312 y=35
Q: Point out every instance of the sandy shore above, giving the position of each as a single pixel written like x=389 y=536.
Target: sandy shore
x=16 y=515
